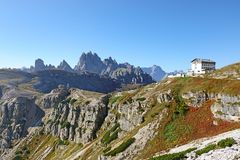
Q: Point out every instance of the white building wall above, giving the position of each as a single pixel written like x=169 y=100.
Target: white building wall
x=197 y=68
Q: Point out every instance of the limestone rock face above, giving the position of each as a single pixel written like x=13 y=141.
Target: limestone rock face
x=54 y=97
x=196 y=99
x=227 y=108
x=164 y=97
x=16 y=116
x=65 y=66
x=131 y=116
x=77 y=122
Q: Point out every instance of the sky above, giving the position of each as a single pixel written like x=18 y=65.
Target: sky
x=168 y=33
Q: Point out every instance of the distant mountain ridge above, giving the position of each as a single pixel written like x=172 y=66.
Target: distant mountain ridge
x=92 y=63
x=156 y=72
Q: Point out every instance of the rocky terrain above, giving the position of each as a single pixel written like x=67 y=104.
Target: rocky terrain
x=177 y=118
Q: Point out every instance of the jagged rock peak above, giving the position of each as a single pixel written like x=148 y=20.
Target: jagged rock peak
x=90 y=62
x=65 y=66
x=39 y=65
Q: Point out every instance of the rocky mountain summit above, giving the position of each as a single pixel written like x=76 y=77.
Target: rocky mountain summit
x=155 y=71
x=65 y=66
x=125 y=73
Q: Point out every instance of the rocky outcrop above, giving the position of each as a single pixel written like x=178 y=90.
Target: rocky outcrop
x=130 y=115
x=54 y=97
x=65 y=66
x=165 y=97
x=77 y=121
x=143 y=136
x=39 y=65
x=227 y=108
x=196 y=99
x=156 y=72
x=16 y=116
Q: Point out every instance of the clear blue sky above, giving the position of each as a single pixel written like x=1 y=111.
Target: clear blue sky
x=168 y=33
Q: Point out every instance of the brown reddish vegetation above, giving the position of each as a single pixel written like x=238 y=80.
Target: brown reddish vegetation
x=201 y=119
x=199 y=124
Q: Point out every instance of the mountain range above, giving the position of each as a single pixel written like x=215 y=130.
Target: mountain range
x=92 y=63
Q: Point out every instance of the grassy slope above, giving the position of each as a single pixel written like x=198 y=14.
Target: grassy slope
x=231 y=71
x=211 y=85
x=196 y=123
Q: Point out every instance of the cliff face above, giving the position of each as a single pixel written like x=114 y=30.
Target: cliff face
x=54 y=97
x=16 y=116
x=77 y=120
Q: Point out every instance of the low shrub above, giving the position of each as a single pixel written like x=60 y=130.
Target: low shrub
x=72 y=101
x=174 y=156
x=121 y=148
x=141 y=99
x=63 y=142
x=17 y=157
x=111 y=135
x=228 y=142
x=107 y=150
x=65 y=125
x=206 y=149
x=114 y=99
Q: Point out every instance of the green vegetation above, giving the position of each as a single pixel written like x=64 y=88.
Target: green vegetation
x=181 y=107
x=115 y=99
x=17 y=157
x=174 y=156
x=228 y=142
x=141 y=99
x=206 y=149
x=175 y=130
x=111 y=135
x=107 y=149
x=72 y=101
x=121 y=148
x=63 y=142
x=65 y=125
